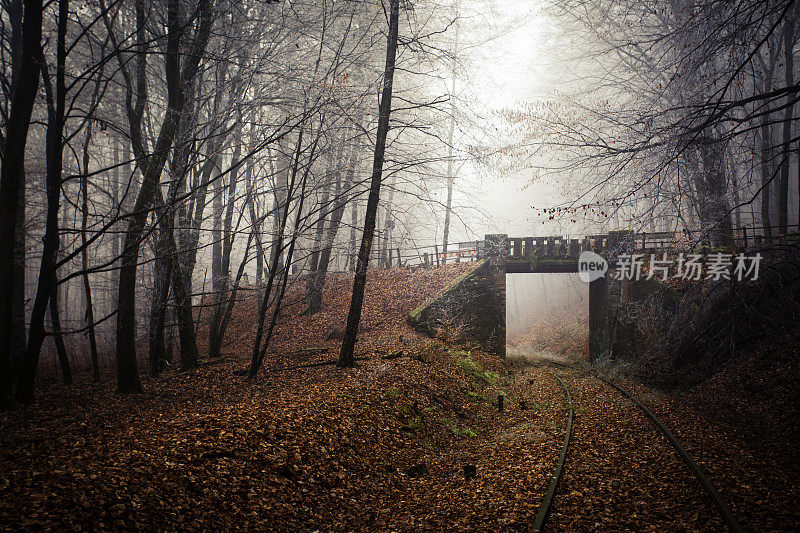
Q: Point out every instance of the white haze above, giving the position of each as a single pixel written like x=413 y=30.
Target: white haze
x=546 y=313
x=511 y=53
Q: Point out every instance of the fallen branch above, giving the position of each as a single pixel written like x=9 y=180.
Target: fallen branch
x=307 y=365
x=321 y=363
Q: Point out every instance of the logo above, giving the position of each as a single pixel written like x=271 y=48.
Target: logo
x=591 y=266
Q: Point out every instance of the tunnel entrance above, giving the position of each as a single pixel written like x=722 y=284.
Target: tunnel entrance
x=547 y=316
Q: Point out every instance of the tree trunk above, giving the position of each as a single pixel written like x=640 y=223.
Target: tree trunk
x=713 y=201
x=351 y=250
x=282 y=215
x=280 y=200
x=58 y=337
x=221 y=293
x=87 y=290
x=47 y=269
x=167 y=256
x=276 y=309
x=18 y=326
x=129 y=188
x=256 y=223
x=169 y=332
x=334 y=165
x=317 y=284
x=183 y=306
x=175 y=269
x=766 y=176
x=450 y=177
x=127 y=367
x=388 y=226
x=783 y=184
x=162 y=274
x=226 y=317
x=114 y=185
x=216 y=246
x=12 y=180
x=346 y=355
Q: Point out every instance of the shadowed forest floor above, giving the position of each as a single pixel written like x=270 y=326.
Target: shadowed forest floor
x=379 y=447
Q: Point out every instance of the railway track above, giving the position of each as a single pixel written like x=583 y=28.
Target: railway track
x=727 y=516
x=544 y=510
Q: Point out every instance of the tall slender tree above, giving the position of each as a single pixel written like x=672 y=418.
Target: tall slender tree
x=12 y=175
x=347 y=353
x=178 y=77
x=46 y=285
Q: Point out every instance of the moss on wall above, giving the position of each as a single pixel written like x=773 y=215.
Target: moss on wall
x=471 y=311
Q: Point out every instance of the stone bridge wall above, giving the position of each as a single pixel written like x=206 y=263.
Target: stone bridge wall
x=471 y=311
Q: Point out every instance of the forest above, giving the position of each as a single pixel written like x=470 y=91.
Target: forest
x=292 y=265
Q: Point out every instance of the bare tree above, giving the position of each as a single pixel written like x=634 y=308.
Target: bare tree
x=657 y=140
x=12 y=178
x=346 y=355
x=46 y=286
x=178 y=76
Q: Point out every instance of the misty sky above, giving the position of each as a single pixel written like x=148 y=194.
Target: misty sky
x=528 y=60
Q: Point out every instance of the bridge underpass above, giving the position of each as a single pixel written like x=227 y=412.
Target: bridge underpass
x=473 y=309
x=547 y=316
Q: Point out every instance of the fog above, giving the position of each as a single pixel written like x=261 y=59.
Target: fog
x=547 y=315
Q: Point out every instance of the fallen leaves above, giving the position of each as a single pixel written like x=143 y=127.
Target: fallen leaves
x=412 y=442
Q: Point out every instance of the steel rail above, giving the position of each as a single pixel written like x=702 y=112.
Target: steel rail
x=544 y=509
x=722 y=507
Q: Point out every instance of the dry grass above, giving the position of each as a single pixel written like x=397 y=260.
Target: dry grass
x=563 y=336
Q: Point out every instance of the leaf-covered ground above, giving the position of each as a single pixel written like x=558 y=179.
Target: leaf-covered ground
x=386 y=446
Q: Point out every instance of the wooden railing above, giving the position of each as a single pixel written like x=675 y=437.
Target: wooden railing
x=570 y=247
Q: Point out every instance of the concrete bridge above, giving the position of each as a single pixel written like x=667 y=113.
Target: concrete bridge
x=518 y=255
x=473 y=308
